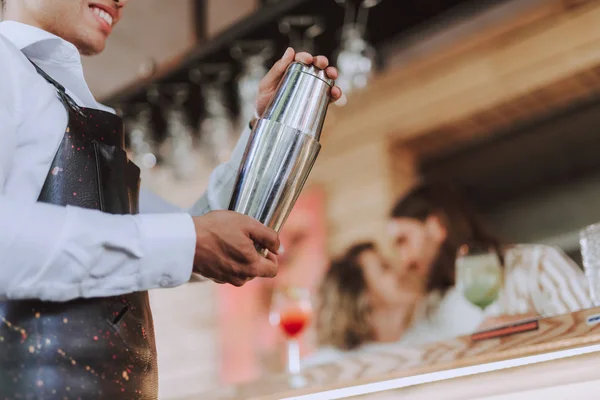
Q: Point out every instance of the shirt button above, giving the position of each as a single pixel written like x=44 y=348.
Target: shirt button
x=165 y=281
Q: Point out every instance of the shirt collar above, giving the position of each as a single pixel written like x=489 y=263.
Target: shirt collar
x=38 y=43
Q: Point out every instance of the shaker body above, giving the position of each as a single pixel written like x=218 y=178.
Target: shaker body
x=277 y=162
x=282 y=148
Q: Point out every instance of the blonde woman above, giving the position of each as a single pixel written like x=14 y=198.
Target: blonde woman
x=361 y=302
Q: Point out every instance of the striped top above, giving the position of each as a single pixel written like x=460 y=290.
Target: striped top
x=542 y=279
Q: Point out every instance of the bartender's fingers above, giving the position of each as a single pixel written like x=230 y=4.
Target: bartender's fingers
x=272 y=78
x=273 y=257
x=332 y=72
x=263 y=236
x=336 y=93
x=267 y=267
x=321 y=62
x=304 y=57
x=238 y=282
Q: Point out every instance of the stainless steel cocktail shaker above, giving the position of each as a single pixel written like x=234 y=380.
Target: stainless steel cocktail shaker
x=283 y=147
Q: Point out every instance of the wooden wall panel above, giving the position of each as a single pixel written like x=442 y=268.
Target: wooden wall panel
x=358 y=185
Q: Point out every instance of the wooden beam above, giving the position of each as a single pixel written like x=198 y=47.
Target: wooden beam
x=358 y=190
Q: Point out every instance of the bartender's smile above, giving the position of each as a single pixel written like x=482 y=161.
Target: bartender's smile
x=105 y=15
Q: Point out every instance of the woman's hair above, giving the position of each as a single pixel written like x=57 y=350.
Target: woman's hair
x=462 y=225
x=343 y=311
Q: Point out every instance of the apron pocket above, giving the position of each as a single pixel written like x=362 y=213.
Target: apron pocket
x=131 y=322
x=118 y=180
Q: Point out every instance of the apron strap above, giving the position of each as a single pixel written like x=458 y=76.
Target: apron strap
x=60 y=89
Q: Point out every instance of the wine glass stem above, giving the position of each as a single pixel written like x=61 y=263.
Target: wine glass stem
x=293 y=356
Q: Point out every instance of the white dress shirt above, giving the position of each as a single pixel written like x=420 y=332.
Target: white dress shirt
x=56 y=253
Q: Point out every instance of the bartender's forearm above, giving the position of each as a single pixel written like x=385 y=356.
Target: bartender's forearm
x=60 y=253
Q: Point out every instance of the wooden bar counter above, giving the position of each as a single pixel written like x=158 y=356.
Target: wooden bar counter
x=550 y=358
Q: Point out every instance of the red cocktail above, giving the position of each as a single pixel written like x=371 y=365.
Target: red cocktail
x=291 y=310
x=293 y=321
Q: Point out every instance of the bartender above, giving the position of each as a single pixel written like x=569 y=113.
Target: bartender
x=78 y=251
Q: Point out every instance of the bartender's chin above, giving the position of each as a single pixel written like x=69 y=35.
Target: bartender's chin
x=89 y=48
x=89 y=42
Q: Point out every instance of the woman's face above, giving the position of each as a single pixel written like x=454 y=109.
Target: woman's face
x=383 y=284
x=416 y=245
x=377 y=272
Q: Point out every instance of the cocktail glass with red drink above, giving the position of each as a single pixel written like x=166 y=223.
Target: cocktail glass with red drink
x=291 y=311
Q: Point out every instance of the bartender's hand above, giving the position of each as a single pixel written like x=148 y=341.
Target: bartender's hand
x=225 y=251
x=269 y=83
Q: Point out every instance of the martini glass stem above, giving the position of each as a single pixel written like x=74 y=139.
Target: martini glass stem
x=293 y=348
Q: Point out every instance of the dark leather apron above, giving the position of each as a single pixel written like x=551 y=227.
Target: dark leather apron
x=98 y=348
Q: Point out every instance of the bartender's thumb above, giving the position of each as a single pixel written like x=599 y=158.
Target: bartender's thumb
x=276 y=73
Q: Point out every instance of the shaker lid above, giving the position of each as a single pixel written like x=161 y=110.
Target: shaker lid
x=311 y=70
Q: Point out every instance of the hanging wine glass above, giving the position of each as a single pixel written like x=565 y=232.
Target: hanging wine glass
x=253 y=56
x=216 y=129
x=355 y=58
x=302 y=30
x=180 y=141
x=141 y=143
